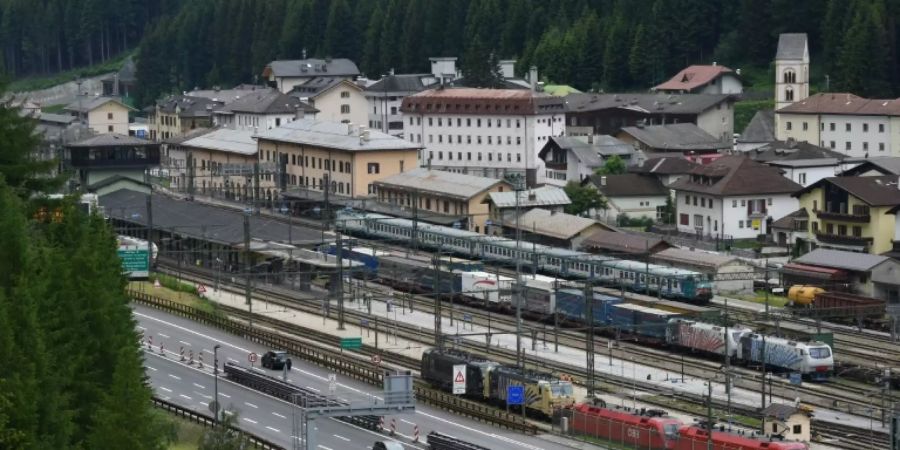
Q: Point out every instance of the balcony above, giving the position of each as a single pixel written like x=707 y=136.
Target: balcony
x=837 y=239
x=556 y=165
x=844 y=217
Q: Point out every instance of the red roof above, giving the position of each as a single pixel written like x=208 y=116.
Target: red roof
x=692 y=78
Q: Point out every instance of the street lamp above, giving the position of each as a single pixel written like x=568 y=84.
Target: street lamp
x=216 y=383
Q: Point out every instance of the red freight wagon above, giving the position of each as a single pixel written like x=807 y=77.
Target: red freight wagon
x=694 y=438
x=626 y=427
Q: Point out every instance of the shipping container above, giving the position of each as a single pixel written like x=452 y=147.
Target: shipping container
x=486 y=288
x=571 y=306
x=641 y=321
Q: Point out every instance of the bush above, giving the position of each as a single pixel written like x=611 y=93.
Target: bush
x=172 y=283
x=643 y=222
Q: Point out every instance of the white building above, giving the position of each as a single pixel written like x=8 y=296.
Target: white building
x=635 y=195
x=700 y=79
x=575 y=158
x=285 y=74
x=262 y=110
x=791 y=69
x=488 y=132
x=732 y=196
x=802 y=162
x=385 y=98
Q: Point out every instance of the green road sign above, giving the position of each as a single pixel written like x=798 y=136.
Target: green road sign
x=135 y=262
x=353 y=343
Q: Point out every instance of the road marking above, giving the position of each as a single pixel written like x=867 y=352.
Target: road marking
x=164 y=335
x=165 y=389
x=199 y=386
x=209 y=351
x=250 y=420
x=279 y=415
x=406 y=422
x=203 y=395
x=233 y=360
x=229 y=412
x=151 y=368
x=185 y=396
x=274 y=429
x=312 y=389
x=141 y=328
x=175 y=376
x=341 y=437
x=324 y=447
x=206 y=404
x=251 y=405
x=185 y=343
x=224 y=395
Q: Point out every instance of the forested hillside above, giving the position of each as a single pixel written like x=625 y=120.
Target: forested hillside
x=591 y=44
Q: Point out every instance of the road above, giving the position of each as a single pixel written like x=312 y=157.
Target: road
x=270 y=418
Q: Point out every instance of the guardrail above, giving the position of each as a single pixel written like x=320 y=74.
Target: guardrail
x=208 y=422
x=326 y=357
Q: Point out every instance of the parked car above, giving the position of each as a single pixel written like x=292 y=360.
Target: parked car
x=276 y=360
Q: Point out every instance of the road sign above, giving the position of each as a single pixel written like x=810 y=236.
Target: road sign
x=251 y=357
x=467 y=317
x=459 y=379
x=376 y=359
x=515 y=395
x=135 y=261
x=351 y=343
x=796 y=379
x=214 y=406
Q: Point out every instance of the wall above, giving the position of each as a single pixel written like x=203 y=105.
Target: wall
x=99 y=121
x=632 y=206
x=797 y=132
x=205 y=181
x=731 y=220
x=878 y=142
x=391 y=162
x=329 y=105
x=718 y=121
x=806 y=176
x=725 y=84
x=377 y=107
x=306 y=166
x=801 y=87
x=260 y=122
x=886 y=280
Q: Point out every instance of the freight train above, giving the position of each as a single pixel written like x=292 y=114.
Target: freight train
x=669 y=282
x=655 y=430
x=488 y=381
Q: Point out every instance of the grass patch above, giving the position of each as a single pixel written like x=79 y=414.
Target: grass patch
x=744 y=111
x=749 y=244
x=760 y=297
x=188 y=435
x=53 y=109
x=176 y=291
x=37 y=82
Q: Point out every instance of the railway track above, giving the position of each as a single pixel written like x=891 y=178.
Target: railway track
x=695 y=368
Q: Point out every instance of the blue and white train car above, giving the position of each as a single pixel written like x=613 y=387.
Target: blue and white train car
x=811 y=359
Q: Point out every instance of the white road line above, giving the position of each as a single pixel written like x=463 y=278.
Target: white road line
x=203 y=395
x=141 y=328
x=165 y=389
x=224 y=395
x=324 y=447
x=175 y=376
x=233 y=360
x=312 y=389
x=204 y=404
x=164 y=335
x=185 y=396
x=250 y=420
x=341 y=437
x=274 y=429
x=406 y=422
x=209 y=351
x=185 y=343
x=151 y=368
x=279 y=415
x=251 y=405
x=229 y=412
x=199 y=386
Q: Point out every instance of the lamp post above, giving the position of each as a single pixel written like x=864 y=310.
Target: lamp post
x=216 y=383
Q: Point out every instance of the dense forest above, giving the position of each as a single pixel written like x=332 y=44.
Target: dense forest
x=590 y=44
x=71 y=375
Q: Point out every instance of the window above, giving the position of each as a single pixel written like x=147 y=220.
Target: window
x=373 y=168
x=345 y=94
x=734 y=203
x=801 y=178
x=490 y=138
x=469 y=156
x=831 y=144
x=468 y=122
x=430 y=139
x=787 y=125
x=499 y=123
x=703 y=202
x=769 y=201
x=815 y=227
x=687 y=199
x=881 y=146
x=345 y=109
x=865 y=146
x=743 y=203
x=798 y=429
x=789 y=94
x=446 y=206
x=440 y=139
x=683 y=219
x=430 y=121
x=109 y=116
x=411 y=121
x=518 y=140
x=109 y=128
x=478 y=122
x=479 y=156
x=847 y=127
x=842 y=230
x=458 y=122
x=509 y=140
x=865 y=128
x=459 y=139
x=518 y=124
x=805 y=126
x=740 y=224
x=829 y=228
x=847 y=145
x=518 y=157
x=881 y=128
x=440 y=154
x=857 y=231
x=695 y=200
x=488 y=123
x=831 y=126
x=479 y=140
x=490 y=156
x=440 y=122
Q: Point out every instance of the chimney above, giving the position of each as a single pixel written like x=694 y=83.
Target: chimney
x=115 y=86
x=350 y=129
x=364 y=135
x=603 y=180
x=508 y=68
x=533 y=77
x=299 y=112
x=738 y=71
x=304 y=52
x=715 y=64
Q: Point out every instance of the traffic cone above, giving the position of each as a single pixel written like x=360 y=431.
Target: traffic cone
x=393 y=425
x=191 y=360
x=181 y=351
x=161 y=350
x=200 y=360
x=416 y=433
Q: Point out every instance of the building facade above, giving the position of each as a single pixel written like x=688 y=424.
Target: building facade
x=341 y=102
x=262 y=110
x=385 y=98
x=284 y=75
x=701 y=79
x=485 y=132
x=791 y=69
x=177 y=115
x=102 y=114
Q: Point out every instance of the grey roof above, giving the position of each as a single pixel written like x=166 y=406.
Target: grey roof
x=267 y=102
x=781 y=151
x=735 y=175
x=677 y=136
x=87 y=104
x=645 y=103
x=629 y=185
x=791 y=46
x=334 y=135
x=542 y=196
x=225 y=140
x=888 y=165
x=111 y=140
x=188 y=219
x=190 y=134
x=591 y=155
x=444 y=183
x=547 y=223
x=674 y=165
x=761 y=127
x=188 y=105
x=226 y=96
x=506 y=83
x=694 y=257
x=815 y=162
x=399 y=83
x=56 y=118
x=620 y=242
x=313 y=67
x=316 y=86
x=838 y=259
x=788 y=221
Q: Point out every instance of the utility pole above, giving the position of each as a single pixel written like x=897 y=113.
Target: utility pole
x=589 y=342
x=340 y=286
x=709 y=417
x=518 y=292
x=149 y=224
x=256 y=188
x=247 y=268
x=436 y=259
x=727 y=361
x=762 y=380
x=766 y=282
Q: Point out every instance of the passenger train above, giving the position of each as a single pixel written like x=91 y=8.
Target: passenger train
x=669 y=282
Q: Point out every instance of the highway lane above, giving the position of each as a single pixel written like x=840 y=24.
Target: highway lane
x=176 y=333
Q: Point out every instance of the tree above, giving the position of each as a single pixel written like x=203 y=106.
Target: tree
x=639 y=64
x=614 y=165
x=615 y=55
x=224 y=436
x=863 y=62
x=19 y=167
x=340 y=37
x=481 y=67
x=584 y=198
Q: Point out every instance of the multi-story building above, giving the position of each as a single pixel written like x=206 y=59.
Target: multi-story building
x=385 y=98
x=852 y=125
x=284 y=75
x=802 y=162
x=487 y=132
x=337 y=100
x=732 y=196
x=177 y=115
x=262 y=110
x=685 y=138
x=444 y=193
x=574 y=158
x=345 y=158
x=101 y=114
x=700 y=79
x=851 y=213
x=110 y=161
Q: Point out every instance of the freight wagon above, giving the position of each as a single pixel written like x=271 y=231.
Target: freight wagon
x=572 y=307
x=645 y=323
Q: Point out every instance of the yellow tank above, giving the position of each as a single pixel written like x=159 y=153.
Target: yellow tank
x=803 y=295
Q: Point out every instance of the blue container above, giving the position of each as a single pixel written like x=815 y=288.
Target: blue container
x=571 y=306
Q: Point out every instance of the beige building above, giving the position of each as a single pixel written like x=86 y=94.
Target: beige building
x=443 y=193
x=337 y=100
x=345 y=157
x=177 y=115
x=102 y=114
x=790 y=422
x=221 y=165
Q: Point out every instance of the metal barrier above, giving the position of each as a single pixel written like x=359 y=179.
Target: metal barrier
x=326 y=357
x=208 y=422
x=438 y=441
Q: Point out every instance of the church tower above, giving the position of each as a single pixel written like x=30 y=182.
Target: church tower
x=791 y=69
